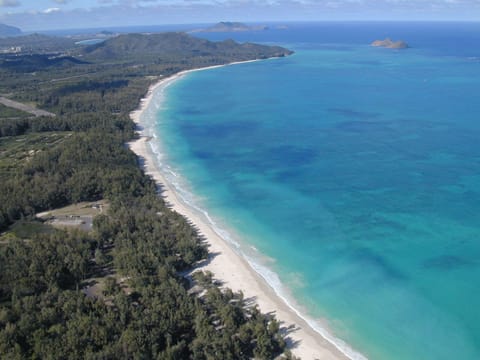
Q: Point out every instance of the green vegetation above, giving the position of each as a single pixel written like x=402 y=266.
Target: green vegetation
x=80 y=155
x=177 y=48
x=37 y=43
x=27 y=230
x=36 y=62
x=16 y=151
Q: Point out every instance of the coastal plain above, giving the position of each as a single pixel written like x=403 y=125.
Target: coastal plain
x=136 y=252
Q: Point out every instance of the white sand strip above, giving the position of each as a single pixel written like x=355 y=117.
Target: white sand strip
x=228 y=266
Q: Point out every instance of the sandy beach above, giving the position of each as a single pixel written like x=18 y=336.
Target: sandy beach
x=228 y=266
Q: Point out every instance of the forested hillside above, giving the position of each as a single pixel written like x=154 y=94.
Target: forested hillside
x=139 y=248
x=176 y=46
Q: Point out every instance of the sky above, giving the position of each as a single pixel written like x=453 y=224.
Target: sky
x=31 y=15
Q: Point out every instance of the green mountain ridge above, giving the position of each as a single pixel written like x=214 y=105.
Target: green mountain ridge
x=177 y=44
x=31 y=63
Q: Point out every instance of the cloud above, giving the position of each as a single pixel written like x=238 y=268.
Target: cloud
x=9 y=3
x=91 y=13
x=50 y=10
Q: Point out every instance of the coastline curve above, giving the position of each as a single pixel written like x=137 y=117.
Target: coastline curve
x=251 y=276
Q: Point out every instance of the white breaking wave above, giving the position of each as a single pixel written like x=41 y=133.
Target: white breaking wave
x=180 y=186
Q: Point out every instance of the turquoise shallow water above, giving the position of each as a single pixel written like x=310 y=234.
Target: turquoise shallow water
x=354 y=172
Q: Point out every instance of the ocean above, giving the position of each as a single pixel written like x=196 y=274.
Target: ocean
x=347 y=175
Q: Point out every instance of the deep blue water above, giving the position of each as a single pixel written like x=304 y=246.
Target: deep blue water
x=353 y=171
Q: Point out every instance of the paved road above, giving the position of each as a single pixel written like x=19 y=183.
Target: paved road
x=23 y=107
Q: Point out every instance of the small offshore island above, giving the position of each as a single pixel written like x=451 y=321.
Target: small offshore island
x=87 y=246
x=390 y=44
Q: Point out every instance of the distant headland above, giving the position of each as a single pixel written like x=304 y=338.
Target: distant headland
x=7 y=30
x=390 y=44
x=228 y=26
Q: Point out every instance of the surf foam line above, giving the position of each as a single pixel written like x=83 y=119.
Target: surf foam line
x=179 y=185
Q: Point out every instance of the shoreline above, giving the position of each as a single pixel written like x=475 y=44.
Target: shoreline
x=231 y=268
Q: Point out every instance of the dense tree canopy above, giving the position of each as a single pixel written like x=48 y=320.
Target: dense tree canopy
x=137 y=249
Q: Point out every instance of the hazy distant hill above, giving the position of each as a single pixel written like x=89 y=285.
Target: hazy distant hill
x=7 y=30
x=174 y=45
x=37 y=43
x=228 y=26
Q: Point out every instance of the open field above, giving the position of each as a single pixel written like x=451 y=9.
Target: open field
x=74 y=216
x=24 y=107
x=81 y=209
x=9 y=112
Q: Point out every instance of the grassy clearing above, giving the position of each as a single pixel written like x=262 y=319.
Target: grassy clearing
x=81 y=209
x=8 y=112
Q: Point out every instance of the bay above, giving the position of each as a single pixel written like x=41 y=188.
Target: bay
x=349 y=172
